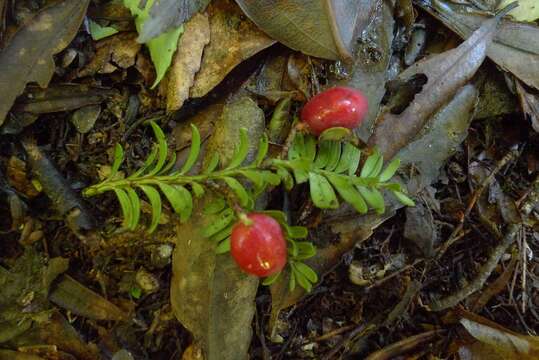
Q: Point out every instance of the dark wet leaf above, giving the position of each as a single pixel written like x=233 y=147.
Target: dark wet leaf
x=322 y=28
x=29 y=55
x=168 y=14
x=445 y=73
x=75 y=297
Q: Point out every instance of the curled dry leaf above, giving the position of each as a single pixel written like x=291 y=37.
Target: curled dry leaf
x=515 y=47
x=187 y=60
x=233 y=39
x=29 y=55
x=529 y=101
x=322 y=28
x=445 y=73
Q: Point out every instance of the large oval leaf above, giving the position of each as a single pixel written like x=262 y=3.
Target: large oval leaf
x=322 y=28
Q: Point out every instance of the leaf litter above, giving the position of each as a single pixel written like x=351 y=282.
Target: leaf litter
x=435 y=279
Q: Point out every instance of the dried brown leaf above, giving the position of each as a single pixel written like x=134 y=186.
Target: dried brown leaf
x=187 y=60
x=322 y=28
x=29 y=55
x=529 y=101
x=233 y=39
x=446 y=73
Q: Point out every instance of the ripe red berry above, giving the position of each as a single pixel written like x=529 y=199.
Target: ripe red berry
x=258 y=245
x=335 y=107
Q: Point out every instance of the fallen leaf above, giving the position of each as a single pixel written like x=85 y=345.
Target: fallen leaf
x=445 y=74
x=167 y=14
x=99 y=32
x=505 y=345
x=371 y=65
x=233 y=39
x=113 y=53
x=210 y=295
x=527 y=10
x=187 y=60
x=322 y=28
x=29 y=55
x=78 y=299
x=516 y=45
x=529 y=101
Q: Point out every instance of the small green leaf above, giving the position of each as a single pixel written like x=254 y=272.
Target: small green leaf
x=334 y=134
x=271 y=279
x=99 y=32
x=309 y=151
x=270 y=178
x=306 y=250
x=223 y=234
x=293 y=249
x=241 y=152
x=334 y=156
x=125 y=204
x=198 y=190
x=135 y=207
x=297 y=148
x=215 y=206
x=223 y=247
x=212 y=164
x=170 y=164
x=239 y=190
x=301 y=279
x=322 y=192
x=373 y=165
x=219 y=223
x=286 y=178
x=403 y=198
x=255 y=177
x=297 y=232
x=324 y=149
x=347 y=191
x=136 y=292
x=155 y=201
x=147 y=163
x=279 y=216
x=193 y=152
x=373 y=197
x=292 y=281
x=392 y=186
x=118 y=159
x=390 y=170
x=263 y=147
x=349 y=159
x=162 y=148
x=307 y=271
x=179 y=198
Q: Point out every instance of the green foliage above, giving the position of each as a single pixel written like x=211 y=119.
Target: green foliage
x=99 y=32
x=330 y=168
x=162 y=47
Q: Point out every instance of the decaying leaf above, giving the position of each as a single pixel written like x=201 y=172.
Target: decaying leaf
x=529 y=101
x=210 y=295
x=167 y=14
x=233 y=39
x=322 y=28
x=75 y=297
x=498 y=343
x=371 y=65
x=515 y=47
x=113 y=53
x=445 y=74
x=187 y=60
x=28 y=56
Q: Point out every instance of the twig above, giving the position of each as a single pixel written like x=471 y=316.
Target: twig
x=400 y=347
x=485 y=271
x=473 y=200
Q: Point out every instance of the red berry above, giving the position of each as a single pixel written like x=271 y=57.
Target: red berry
x=258 y=245
x=335 y=107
